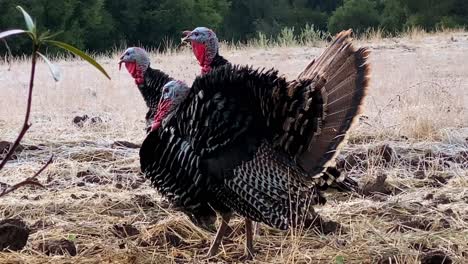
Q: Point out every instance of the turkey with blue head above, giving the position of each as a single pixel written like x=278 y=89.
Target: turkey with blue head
x=205 y=47
x=247 y=141
x=149 y=81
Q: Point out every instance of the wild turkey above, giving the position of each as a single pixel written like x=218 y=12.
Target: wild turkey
x=205 y=47
x=248 y=141
x=149 y=81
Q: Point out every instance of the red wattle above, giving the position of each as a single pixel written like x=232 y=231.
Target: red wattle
x=199 y=50
x=163 y=109
x=135 y=72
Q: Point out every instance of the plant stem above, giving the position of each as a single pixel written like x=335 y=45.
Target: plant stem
x=26 y=124
x=29 y=181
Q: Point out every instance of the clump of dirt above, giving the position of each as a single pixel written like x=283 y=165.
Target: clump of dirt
x=442 y=199
x=324 y=226
x=89 y=177
x=57 y=247
x=384 y=153
x=125 y=144
x=164 y=238
x=439 y=180
x=13 y=234
x=124 y=230
x=5 y=147
x=378 y=186
x=40 y=224
x=80 y=121
x=435 y=257
x=352 y=160
x=144 y=201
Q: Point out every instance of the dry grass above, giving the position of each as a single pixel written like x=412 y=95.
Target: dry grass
x=417 y=106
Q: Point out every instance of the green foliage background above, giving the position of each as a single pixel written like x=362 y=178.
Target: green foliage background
x=100 y=25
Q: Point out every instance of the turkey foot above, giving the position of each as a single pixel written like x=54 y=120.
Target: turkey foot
x=219 y=235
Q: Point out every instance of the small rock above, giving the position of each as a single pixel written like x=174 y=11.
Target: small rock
x=124 y=230
x=58 y=247
x=13 y=234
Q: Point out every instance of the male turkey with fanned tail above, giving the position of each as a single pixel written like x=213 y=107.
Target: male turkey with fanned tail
x=249 y=142
x=205 y=47
x=149 y=81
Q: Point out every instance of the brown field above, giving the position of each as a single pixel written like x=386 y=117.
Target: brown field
x=414 y=132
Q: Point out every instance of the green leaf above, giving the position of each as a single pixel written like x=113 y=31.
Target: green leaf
x=79 y=53
x=7 y=33
x=53 y=69
x=27 y=18
x=339 y=260
x=71 y=237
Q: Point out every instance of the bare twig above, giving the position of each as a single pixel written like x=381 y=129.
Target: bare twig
x=26 y=124
x=28 y=181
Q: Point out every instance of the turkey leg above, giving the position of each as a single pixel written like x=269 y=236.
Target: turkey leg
x=249 y=250
x=219 y=235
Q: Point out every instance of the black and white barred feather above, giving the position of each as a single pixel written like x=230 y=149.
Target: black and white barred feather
x=248 y=141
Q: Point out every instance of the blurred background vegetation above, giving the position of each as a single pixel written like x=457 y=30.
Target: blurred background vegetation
x=102 y=25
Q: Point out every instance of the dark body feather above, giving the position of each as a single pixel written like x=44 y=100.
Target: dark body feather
x=218 y=61
x=248 y=141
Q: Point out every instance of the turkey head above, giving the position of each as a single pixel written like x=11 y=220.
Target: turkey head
x=173 y=93
x=136 y=61
x=204 y=46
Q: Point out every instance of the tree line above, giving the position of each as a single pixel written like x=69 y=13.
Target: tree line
x=100 y=25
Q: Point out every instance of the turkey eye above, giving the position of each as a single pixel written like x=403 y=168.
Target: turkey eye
x=166 y=90
x=196 y=34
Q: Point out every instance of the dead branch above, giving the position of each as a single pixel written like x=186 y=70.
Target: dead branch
x=28 y=181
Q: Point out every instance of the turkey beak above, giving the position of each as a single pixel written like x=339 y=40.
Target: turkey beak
x=187 y=35
x=121 y=60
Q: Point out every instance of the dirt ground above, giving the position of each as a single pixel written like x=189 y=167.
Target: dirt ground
x=409 y=154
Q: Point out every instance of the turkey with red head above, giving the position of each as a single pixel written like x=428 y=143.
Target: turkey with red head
x=149 y=81
x=250 y=142
x=205 y=47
